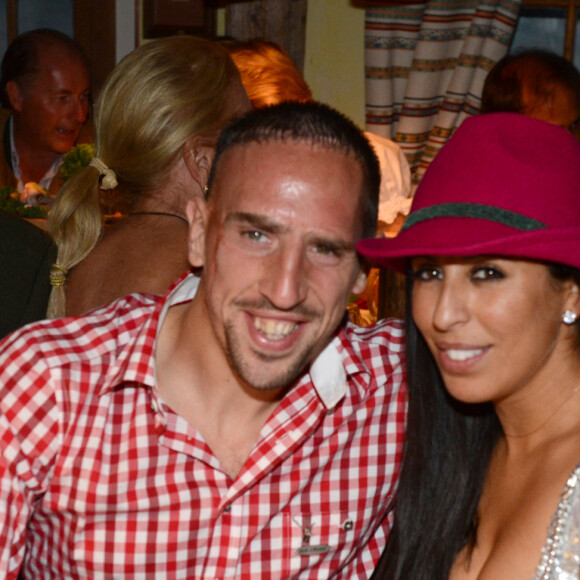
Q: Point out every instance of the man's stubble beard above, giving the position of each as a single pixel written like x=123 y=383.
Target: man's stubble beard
x=243 y=369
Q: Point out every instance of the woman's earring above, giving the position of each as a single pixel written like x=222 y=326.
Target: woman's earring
x=205 y=191
x=569 y=317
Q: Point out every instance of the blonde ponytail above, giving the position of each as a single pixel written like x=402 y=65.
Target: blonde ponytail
x=75 y=223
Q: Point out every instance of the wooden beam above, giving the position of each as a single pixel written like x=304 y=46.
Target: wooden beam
x=283 y=21
x=570 y=32
x=11 y=20
x=95 y=30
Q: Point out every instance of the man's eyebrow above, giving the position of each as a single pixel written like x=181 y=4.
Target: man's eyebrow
x=261 y=222
x=255 y=221
x=336 y=245
x=70 y=92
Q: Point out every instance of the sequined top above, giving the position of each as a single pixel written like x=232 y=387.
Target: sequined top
x=561 y=554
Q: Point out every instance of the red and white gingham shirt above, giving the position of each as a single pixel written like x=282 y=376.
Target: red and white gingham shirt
x=99 y=478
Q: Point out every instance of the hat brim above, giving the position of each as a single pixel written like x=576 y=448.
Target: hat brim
x=441 y=237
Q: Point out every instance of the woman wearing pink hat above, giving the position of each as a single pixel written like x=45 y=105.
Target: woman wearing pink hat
x=490 y=485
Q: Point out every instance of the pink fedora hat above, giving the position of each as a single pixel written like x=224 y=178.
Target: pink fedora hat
x=504 y=184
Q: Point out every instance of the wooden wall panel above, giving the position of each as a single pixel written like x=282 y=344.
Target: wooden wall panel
x=283 y=21
x=95 y=30
x=11 y=20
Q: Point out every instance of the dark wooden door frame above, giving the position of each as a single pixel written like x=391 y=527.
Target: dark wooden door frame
x=95 y=30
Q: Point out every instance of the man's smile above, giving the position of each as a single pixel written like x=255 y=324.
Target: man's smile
x=274 y=329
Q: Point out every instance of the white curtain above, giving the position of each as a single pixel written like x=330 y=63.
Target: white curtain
x=425 y=67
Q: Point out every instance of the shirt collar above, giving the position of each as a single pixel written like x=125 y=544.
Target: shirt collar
x=328 y=375
x=337 y=363
x=135 y=363
x=15 y=159
x=329 y=372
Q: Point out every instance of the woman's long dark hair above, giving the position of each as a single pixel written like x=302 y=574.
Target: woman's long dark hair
x=447 y=451
x=448 y=448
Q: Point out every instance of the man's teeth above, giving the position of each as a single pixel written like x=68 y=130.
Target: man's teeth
x=274 y=329
x=460 y=355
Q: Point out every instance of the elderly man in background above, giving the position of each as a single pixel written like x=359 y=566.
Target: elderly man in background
x=44 y=86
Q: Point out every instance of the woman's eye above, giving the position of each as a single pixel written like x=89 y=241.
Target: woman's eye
x=427 y=273
x=487 y=273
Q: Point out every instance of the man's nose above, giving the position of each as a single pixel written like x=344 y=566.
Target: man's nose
x=284 y=280
x=78 y=109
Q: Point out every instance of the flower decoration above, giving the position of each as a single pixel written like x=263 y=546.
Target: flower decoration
x=77 y=158
x=10 y=201
x=34 y=194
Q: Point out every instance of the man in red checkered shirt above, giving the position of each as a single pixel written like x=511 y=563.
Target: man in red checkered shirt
x=238 y=427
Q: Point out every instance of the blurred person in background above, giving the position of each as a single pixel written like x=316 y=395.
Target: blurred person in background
x=45 y=92
x=157 y=119
x=536 y=83
x=26 y=255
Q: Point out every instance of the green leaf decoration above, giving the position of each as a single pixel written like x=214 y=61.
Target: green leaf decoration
x=10 y=202
x=77 y=158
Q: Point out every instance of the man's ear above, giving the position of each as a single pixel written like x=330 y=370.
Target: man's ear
x=196 y=211
x=15 y=95
x=360 y=283
x=198 y=154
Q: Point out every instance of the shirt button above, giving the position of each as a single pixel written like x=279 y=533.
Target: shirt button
x=228 y=508
x=348 y=525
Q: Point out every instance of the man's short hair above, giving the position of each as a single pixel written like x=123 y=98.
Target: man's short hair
x=22 y=58
x=541 y=72
x=319 y=125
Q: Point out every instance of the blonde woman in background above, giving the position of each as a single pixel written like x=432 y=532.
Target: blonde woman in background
x=156 y=123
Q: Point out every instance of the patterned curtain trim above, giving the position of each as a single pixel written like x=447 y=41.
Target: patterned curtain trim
x=425 y=68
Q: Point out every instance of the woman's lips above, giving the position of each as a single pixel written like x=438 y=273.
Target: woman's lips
x=460 y=358
x=462 y=354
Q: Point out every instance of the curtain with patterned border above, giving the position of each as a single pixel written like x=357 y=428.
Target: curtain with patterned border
x=425 y=65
